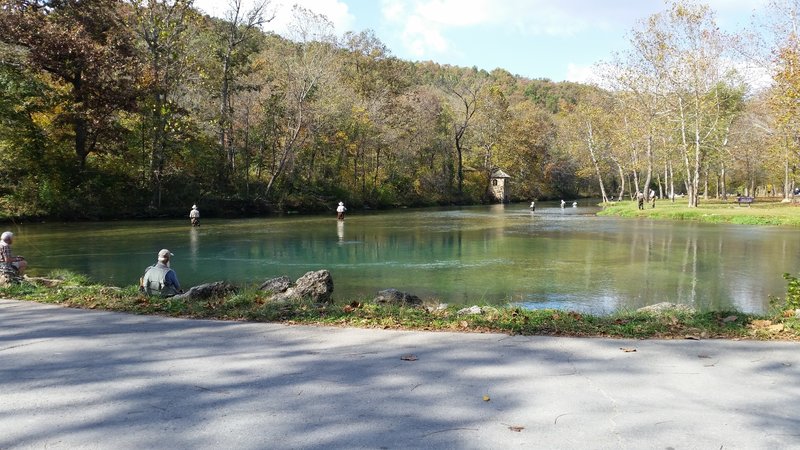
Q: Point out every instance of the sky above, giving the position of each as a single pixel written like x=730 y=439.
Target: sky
x=561 y=40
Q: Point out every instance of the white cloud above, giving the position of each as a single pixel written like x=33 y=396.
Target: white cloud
x=582 y=74
x=424 y=25
x=420 y=38
x=335 y=10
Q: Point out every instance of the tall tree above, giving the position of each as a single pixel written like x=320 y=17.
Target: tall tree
x=162 y=26
x=302 y=66
x=684 y=50
x=83 y=44
x=464 y=91
x=239 y=27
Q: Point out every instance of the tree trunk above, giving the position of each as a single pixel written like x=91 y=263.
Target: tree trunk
x=590 y=144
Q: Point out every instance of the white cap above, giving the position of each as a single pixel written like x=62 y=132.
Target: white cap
x=341 y=204
x=164 y=254
x=194 y=206
x=6 y=236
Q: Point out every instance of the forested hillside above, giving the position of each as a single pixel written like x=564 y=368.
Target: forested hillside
x=127 y=109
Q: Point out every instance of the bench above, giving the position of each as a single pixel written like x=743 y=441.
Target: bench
x=745 y=200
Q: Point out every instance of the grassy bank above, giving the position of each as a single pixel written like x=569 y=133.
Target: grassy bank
x=761 y=212
x=252 y=305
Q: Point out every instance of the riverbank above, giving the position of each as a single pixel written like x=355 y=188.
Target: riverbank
x=761 y=212
x=76 y=291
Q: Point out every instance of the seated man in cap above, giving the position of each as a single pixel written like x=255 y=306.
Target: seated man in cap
x=160 y=279
x=14 y=263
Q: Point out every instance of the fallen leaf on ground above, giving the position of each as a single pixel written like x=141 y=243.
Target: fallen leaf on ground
x=692 y=337
x=761 y=323
x=409 y=357
x=516 y=428
x=776 y=328
x=627 y=350
x=486 y=398
x=730 y=319
x=464 y=324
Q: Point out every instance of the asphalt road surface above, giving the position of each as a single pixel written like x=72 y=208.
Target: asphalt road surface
x=75 y=379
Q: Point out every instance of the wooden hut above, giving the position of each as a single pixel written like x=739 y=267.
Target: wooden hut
x=499 y=184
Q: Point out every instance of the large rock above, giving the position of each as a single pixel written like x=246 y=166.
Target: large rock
x=395 y=297
x=276 y=285
x=660 y=308
x=206 y=291
x=7 y=279
x=9 y=275
x=316 y=286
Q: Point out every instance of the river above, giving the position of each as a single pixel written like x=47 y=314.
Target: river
x=552 y=258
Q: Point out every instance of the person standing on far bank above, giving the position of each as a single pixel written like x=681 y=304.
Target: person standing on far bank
x=640 y=199
x=194 y=216
x=340 y=211
x=160 y=279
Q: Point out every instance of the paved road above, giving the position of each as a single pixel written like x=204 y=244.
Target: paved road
x=76 y=379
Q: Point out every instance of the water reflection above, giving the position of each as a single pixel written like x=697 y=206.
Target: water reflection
x=194 y=245
x=565 y=258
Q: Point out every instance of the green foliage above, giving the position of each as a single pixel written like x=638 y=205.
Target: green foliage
x=552 y=96
x=762 y=212
x=792 y=299
x=112 y=109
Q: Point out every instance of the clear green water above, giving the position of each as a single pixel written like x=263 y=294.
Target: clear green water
x=552 y=258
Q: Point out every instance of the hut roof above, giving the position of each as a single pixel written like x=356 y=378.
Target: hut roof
x=500 y=174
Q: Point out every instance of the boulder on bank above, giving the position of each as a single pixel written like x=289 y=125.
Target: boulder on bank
x=276 y=285
x=206 y=291
x=7 y=279
x=663 y=307
x=315 y=285
x=395 y=297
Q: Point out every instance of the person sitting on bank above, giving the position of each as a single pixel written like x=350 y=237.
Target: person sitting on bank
x=194 y=216
x=340 y=211
x=160 y=279
x=7 y=258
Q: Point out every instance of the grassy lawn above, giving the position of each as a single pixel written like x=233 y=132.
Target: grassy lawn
x=252 y=305
x=761 y=212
